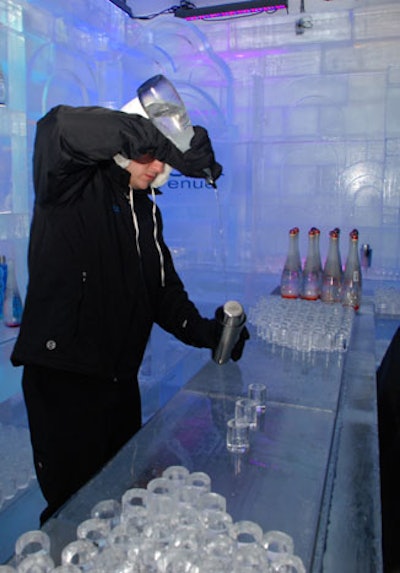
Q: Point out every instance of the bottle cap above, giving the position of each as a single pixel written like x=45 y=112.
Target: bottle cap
x=233 y=308
x=233 y=313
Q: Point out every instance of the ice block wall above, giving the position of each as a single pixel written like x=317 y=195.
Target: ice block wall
x=307 y=125
x=318 y=128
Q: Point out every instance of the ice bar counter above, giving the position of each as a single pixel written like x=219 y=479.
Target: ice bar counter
x=312 y=469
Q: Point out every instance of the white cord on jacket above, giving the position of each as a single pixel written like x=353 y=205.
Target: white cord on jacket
x=135 y=221
x=155 y=231
x=155 y=235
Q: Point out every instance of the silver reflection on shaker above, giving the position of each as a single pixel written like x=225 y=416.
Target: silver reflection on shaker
x=232 y=321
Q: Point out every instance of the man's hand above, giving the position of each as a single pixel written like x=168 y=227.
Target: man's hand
x=237 y=350
x=198 y=157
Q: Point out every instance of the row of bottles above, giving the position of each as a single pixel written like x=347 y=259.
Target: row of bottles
x=330 y=283
x=10 y=299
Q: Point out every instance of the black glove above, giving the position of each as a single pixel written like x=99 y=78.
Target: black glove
x=198 y=157
x=237 y=350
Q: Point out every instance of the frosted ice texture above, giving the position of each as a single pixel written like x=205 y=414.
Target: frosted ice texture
x=18 y=472
x=387 y=301
x=296 y=120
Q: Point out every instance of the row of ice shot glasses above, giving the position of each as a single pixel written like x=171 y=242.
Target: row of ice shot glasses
x=247 y=411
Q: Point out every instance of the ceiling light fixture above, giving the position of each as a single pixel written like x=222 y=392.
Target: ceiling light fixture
x=228 y=10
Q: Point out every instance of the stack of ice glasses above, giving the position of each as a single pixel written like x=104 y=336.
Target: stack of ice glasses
x=177 y=524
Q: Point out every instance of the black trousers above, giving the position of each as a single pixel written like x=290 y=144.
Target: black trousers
x=77 y=424
x=388 y=391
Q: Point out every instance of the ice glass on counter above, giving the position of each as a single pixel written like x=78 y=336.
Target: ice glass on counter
x=188 y=533
x=304 y=326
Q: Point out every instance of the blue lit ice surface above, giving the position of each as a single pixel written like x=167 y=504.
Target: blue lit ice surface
x=167 y=366
x=19 y=474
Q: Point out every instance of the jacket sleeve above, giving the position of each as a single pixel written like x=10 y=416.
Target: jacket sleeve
x=177 y=314
x=71 y=141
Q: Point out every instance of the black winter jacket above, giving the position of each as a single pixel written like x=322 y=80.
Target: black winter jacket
x=91 y=299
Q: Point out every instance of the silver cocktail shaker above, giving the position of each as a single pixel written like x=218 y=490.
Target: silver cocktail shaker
x=232 y=320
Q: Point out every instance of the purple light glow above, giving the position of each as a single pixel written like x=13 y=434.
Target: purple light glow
x=232 y=13
x=233 y=9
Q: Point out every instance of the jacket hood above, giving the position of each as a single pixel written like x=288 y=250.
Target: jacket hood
x=134 y=106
